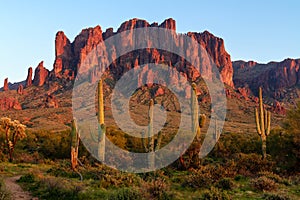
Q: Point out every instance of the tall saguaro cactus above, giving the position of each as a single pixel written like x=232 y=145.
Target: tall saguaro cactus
x=263 y=123
x=194 y=110
x=101 y=124
x=74 y=145
x=198 y=121
x=151 y=144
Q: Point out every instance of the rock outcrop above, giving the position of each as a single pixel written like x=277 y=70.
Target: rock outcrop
x=5 y=86
x=51 y=101
x=20 y=89
x=29 y=77
x=9 y=103
x=63 y=54
x=40 y=75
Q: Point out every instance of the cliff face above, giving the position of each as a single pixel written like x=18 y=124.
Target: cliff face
x=69 y=56
x=40 y=75
x=275 y=77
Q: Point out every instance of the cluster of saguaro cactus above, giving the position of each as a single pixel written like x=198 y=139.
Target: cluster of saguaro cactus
x=74 y=145
x=151 y=144
x=263 y=123
x=101 y=124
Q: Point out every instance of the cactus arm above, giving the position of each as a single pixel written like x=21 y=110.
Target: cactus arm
x=257 y=122
x=266 y=119
x=268 y=123
x=194 y=108
x=202 y=120
x=100 y=102
x=261 y=108
x=150 y=126
x=101 y=125
x=144 y=142
x=159 y=137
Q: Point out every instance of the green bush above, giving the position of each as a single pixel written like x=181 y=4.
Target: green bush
x=215 y=194
x=4 y=194
x=251 y=164
x=125 y=194
x=275 y=197
x=157 y=188
x=225 y=184
x=27 y=178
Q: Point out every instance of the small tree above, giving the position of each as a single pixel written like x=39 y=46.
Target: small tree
x=14 y=131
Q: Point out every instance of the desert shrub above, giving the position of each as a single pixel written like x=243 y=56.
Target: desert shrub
x=199 y=179
x=125 y=194
x=215 y=194
x=27 y=178
x=233 y=143
x=271 y=175
x=264 y=184
x=281 y=146
x=209 y=174
x=225 y=184
x=55 y=188
x=23 y=157
x=251 y=164
x=275 y=197
x=239 y=177
x=4 y=194
x=156 y=188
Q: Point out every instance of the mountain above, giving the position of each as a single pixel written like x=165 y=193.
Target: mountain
x=276 y=78
x=44 y=89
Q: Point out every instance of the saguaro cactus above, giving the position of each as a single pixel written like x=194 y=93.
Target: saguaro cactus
x=101 y=124
x=151 y=144
x=216 y=135
x=74 y=145
x=263 y=123
x=198 y=121
x=194 y=110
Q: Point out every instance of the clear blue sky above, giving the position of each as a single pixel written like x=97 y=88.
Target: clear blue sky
x=253 y=30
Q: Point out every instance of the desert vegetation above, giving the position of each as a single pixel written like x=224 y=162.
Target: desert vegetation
x=233 y=170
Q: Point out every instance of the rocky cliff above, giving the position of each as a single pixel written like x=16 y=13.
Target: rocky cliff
x=69 y=56
x=276 y=78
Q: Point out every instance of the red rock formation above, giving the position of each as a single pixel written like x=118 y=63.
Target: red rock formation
x=278 y=108
x=169 y=24
x=245 y=92
x=274 y=77
x=29 y=77
x=216 y=50
x=159 y=92
x=69 y=56
x=51 y=102
x=20 y=89
x=63 y=53
x=8 y=103
x=5 y=87
x=40 y=75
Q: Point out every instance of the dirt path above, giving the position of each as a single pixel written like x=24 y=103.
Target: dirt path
x=16 y=191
